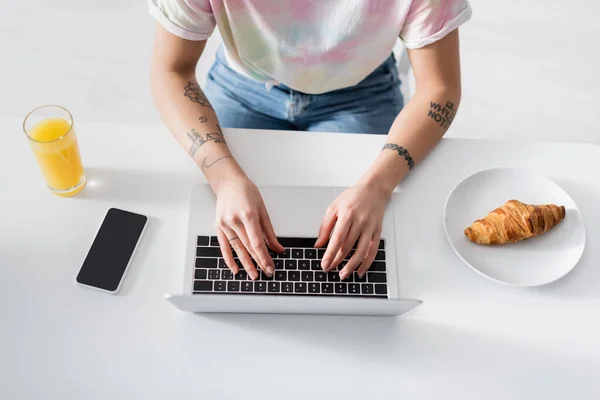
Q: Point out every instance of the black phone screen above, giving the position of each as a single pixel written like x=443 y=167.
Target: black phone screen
x=112 y=249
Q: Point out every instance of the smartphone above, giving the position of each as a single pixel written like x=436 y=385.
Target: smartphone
x=111 y=252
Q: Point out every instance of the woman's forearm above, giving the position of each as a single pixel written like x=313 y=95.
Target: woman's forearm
x=191 y=119
x=414 y=133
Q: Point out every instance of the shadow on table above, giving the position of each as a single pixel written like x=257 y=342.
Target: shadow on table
x=584 y=280
x=155 y=187
x=414 y=346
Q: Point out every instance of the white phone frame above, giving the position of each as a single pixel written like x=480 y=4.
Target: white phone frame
x=116 y=291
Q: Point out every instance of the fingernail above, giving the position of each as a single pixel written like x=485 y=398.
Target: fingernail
x=343 y=275
x=270 y=269
x=253 y=275
x=360 y=274
x=315 y=245
x=325 y=264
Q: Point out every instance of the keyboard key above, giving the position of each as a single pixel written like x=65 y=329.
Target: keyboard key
x=241 y=276
x=320 y=276
x=272 y=253
x=260 y=286
x=273 y=287
x=293 y=275
x=359 y=279
x=278 y=264
x=285 y=254
x=327 y=287
x=314 y=287
x=208 y=252
x=287 y=287
x=222 y=263
x=303 y=264
x=247 y=286
x=297 y=253
x=349 y=255
x=202 y=241
x=214 y=241
x=367 y=288
x=333 y=276
x=380 y=256
x=297 y=242
x=226 y=275
x=320 y=253
x=341 y=265
x=311 y=254
x=239 y=264
x=264 y=277
x=307 y=276
x=291 y=264
x=206 y=262
x=220 y=286
x=200 y=274
x=350 y=278
x=203 y=286
x=380 y=288
x=300 y=287
x=377 y=266
x=341 y=287
x=381 y=244
x=376 y=277
x=214 y=274
x=354 y=288
x=315 y=265
x=233 y=286
x=281 y=275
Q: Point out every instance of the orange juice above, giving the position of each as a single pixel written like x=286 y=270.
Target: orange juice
x=55 y=147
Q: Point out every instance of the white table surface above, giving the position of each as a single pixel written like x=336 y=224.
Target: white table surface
x=471 y=339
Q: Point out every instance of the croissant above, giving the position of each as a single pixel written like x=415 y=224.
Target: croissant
x=513 y=222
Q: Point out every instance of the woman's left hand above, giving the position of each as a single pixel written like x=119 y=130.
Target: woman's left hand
x=356 y=215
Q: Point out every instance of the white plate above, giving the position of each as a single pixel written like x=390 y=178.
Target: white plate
x=536 y=261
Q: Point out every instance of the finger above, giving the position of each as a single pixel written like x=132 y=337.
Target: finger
x=364 y=243
x=238 y=233
x=342 y=226
x=326 y=226
x=349 y=242
x=257 y=241
x=226 y=251
x=366 y=264
x=269 y=232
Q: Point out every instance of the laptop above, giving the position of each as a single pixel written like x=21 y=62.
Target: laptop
x=299 y=285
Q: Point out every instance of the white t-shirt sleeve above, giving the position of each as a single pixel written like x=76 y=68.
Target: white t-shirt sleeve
x=188 y=19
x=430 y=20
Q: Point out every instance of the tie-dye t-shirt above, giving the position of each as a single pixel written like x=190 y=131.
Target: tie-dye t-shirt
x=313 y=46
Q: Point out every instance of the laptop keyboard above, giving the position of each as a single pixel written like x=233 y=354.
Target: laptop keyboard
x=297 y=272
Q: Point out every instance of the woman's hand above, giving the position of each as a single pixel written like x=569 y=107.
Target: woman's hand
x=244 y=225
x=356 y=214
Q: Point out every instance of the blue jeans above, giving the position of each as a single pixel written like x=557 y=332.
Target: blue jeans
x=368 y=107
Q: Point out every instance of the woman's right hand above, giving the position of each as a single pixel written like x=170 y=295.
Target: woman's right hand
x=244 y=225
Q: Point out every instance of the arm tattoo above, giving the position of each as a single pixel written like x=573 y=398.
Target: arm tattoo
x=204 y=165
x=444 y=115
x=198 y=141
x=193 y=91
x=202 y=119
x=402 y=152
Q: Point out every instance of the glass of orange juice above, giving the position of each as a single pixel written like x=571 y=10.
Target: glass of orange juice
x=52 y=138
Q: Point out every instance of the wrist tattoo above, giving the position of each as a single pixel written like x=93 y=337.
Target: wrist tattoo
x=205 y=165
x=402 y=152
x=193 y=91
x=444 y=115
x=198 y=140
